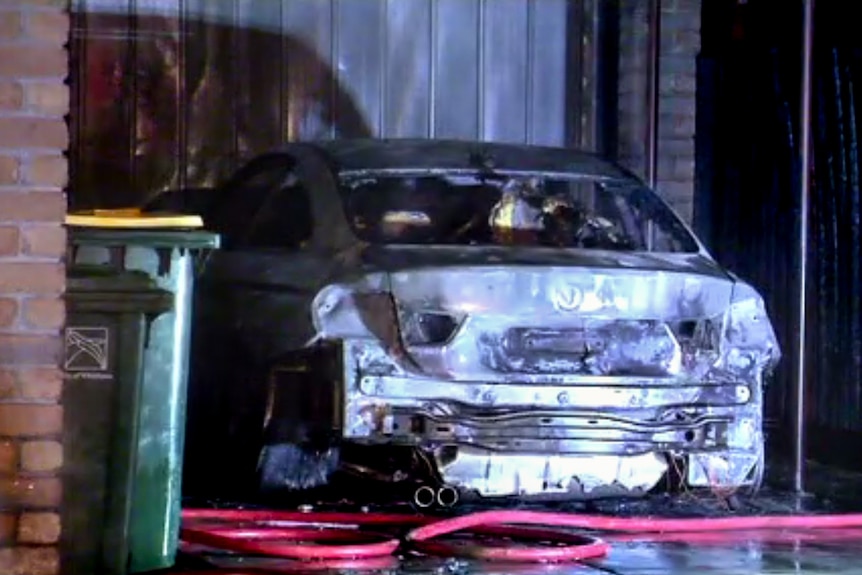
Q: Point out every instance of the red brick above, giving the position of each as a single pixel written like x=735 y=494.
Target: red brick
x=32 y=277
x=8 y=168
x=31 y=383
x=678 y=84
x=29 y=350
x=8 y=456
x=27 y=132
x=48 y=25
x=10 y=24
x=11 y=96
x=30 y=560
x=33 y=206
x=685 y=41
x=44 y=240
x=677 y=125
x=9 y=241
x=8 y=311
x=8 y=385
x=39 y=528
x=7 y=528
x=41 y=383
x=685 y=210
x=41 y=456
x=45 y=313
x=20 y=419
x=47 y=97
x=34 y=62
x=50 y=171
x=41 y=492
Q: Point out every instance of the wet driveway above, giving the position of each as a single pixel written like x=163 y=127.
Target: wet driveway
x=812 y=551
x=830 y=553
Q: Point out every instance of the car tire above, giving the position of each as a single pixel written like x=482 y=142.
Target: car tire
x=293 y=467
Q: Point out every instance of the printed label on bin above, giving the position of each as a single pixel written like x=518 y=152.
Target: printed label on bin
x=87 y=349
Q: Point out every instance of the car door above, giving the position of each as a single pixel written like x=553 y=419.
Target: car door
x=227 y=388
x=255 y=295
x=280 y=225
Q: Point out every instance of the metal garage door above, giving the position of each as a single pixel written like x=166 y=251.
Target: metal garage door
x=174 y=93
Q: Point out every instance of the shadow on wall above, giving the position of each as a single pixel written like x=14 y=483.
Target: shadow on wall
x=176 y=94
x=162 y=102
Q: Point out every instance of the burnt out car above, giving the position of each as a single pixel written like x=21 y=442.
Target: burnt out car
x=468 y=318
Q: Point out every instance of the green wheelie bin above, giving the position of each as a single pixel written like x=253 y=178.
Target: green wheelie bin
x=170 y=258
x=109 y=316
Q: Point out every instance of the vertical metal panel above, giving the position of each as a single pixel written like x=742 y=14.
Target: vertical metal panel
x=359 y=55
x=78 y=94
x=652 y=92
x=182 y=158
x=591 y=16
x=311 y=86
x=407 y=61
x=259 y=54
x=154 y=41
x=230 y=59
x=105 y=107
x=606 y=62
x=456 y=79
x=210 y=97
x=505 y=81
x=201 y=84
x=131 y=96
x=548 y=72
x=801 y=342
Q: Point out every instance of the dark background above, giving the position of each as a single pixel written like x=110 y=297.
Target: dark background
x=747 y=196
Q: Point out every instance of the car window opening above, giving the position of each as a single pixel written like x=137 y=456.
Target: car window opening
x=511 y=211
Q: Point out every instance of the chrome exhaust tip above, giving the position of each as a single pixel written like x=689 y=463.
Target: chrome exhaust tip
x=424 y=497
x=447 y=496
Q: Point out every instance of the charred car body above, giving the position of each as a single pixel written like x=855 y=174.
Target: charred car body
x=522 y=320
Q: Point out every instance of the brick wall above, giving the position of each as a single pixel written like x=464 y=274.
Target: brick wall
x=680 y=44
x=33 y=170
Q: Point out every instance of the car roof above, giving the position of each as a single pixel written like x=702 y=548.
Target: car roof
x=375 y=155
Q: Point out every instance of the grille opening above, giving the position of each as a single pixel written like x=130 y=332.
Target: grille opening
x=685 y=329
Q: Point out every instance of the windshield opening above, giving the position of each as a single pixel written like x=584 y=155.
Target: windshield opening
x=467 y=209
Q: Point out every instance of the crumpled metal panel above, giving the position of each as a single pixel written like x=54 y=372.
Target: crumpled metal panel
x=691 y=383
x=171 y=94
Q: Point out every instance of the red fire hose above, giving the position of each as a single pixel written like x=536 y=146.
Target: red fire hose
x=334 y=536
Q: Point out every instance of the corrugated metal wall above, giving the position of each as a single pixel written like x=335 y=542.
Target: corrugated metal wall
x=171 y=93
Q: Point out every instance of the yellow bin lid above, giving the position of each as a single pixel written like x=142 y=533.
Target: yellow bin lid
x=132 y=218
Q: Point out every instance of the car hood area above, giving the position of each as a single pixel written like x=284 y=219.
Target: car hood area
x=487 y=313
x=400 y=257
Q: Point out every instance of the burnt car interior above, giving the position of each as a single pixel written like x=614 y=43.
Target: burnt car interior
x=270 y=205
x=496 y=209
